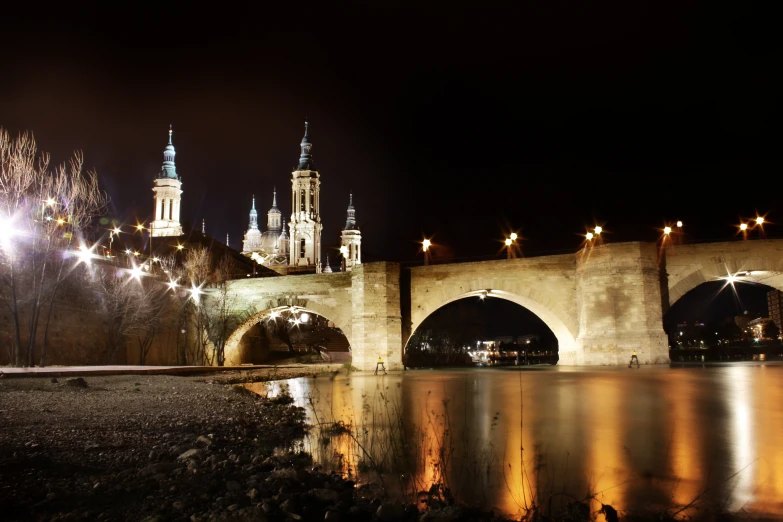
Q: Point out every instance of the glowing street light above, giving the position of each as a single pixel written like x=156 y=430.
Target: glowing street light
x=513 y=236
x=508 y=242
x=667 y=230
x=50 y=202
x=425 y=246
x=136 y=273
x=344 y=254
x=679 y=224
x=598 y=230
x=180 y=247
x=589 y=236
x=173 y=285
x=743 y=226
x=759 y=220
x=304 y=317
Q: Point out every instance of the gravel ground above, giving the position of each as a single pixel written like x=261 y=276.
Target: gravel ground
x=164 y=448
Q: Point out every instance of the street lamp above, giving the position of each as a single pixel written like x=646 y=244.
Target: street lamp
x=509 y=242
x=598 y=230
x=589 y=236
x=667 y=230
x=425 y=246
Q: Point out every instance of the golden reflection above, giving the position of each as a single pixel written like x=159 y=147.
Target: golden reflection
x=509 y=439
x=606 y=466
x=686 y=461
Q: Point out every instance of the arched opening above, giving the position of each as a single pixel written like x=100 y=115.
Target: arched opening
x=288 y=334
x=736 y=318
x=479 y=330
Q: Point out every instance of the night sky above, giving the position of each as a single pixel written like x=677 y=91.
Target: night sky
x=456 y=124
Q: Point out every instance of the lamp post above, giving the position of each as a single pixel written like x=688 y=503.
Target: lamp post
x=425 y=246
x=141 y=228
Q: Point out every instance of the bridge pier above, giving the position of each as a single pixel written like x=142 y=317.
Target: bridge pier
x=376 y=316
x=620 y=306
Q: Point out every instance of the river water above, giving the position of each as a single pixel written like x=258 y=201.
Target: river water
x=709 y=437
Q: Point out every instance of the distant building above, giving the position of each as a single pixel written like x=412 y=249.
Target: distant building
x=758 y=326
x=775 y=307
x=168 y=194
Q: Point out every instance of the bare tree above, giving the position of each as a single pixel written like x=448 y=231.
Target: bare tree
x=222 y=314
x=43 y=213
x=197 y=270
x=122 y=296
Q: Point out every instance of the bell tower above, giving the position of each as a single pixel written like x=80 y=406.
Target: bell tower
x=305 y=224
x=168 y=193
x=351 y=240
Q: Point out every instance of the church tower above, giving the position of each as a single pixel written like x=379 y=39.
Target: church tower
x=305 y=225
x=252 y=241
x=351 y=239
x=168 y=191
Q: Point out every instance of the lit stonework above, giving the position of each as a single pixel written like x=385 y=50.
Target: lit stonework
x=351 y=239
x=269 y=248
x=305 y=225
x=168 y=194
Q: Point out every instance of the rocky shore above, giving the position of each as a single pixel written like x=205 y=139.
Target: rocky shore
x=163 y=448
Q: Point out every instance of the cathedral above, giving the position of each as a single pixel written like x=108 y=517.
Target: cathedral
x=299 y=250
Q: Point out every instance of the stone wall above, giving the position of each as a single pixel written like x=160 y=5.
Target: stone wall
x=377 y=321
x=620 y=309
x=76 y=336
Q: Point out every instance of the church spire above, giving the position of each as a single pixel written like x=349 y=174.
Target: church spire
x=305 y=159
x=350 y=222
x=254 y=214
x=169 y=169
x=273 y=216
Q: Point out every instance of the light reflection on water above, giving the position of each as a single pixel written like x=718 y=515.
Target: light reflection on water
x=657 y=437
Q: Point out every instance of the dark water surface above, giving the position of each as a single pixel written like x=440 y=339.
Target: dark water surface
x=652 y=437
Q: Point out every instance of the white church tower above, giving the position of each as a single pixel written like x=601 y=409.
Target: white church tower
x=305 y=225
x=351 y=240
x=168 y=193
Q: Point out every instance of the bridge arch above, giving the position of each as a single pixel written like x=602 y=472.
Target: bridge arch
x=565 y=339
x=752 y=261
x=233 y=350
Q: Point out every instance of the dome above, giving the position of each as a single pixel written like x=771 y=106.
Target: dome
x=268 y=241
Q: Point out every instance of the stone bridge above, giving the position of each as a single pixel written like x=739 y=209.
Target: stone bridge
x=600 y=303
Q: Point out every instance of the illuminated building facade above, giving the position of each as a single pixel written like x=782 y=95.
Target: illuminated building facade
x=268 y=248
x=351 y=239
x=168 y=194
x=775 y=307
x=305 y=226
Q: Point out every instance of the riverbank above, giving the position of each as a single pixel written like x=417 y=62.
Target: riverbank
x=166 y=448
